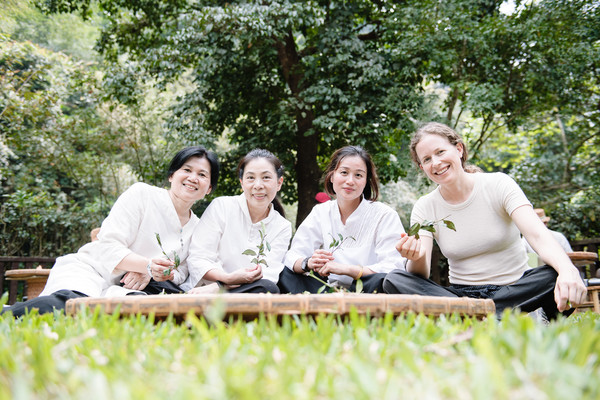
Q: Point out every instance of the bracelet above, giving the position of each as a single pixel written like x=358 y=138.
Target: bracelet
x=149 y=269
x=362 y=269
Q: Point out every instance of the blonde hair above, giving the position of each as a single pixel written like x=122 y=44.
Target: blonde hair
x=436 y=128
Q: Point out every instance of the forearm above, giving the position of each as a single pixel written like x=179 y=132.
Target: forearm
x=133 y=262
x=217 y=275
x=419 y=266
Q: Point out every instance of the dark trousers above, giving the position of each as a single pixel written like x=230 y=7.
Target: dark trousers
x=291 y=282
x=44 y=304
x=533 y=290
x=259 y=286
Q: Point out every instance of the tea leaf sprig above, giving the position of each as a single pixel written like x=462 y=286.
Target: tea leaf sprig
x=428 y=226
x=333 y=246
x=337 y=243
x=176 y=260
x=259 y=255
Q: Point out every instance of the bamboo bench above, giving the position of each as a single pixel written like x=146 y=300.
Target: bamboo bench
x=249 y=306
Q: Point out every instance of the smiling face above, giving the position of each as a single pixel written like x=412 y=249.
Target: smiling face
x=349 y=179
x=191 y=182
x=260 y=184
x=439 y=159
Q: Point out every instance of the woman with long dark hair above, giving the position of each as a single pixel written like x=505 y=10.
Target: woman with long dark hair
x=128 y=253
x=346 y=239
x=227 y=246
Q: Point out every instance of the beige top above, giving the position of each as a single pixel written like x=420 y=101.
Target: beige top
x=486 y=247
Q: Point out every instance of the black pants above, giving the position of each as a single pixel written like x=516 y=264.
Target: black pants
x=259 y=286
x=45 y=304
x=533 y=290
x=291 y=282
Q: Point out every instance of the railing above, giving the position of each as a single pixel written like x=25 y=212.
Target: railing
x=8 y=263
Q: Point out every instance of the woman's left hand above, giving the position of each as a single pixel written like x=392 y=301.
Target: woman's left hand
x=135 y=280
x=333 y=267
x=569 y=289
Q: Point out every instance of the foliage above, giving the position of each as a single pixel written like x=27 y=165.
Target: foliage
x=93 y=355
x=299 y=78
x=428 y=226
x=66 y=152
x=260 y=255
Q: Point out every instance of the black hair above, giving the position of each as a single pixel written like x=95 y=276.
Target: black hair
x=196 y=151
x=277 y=165
x=371 y=190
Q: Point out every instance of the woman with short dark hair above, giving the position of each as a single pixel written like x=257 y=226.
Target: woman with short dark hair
x=225 y=251
x=128 y=254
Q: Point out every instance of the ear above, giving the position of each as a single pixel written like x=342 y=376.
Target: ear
x=209 y=190
x=279 y=183
x=460 y=148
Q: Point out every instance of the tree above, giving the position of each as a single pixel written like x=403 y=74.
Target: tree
x=300 y=78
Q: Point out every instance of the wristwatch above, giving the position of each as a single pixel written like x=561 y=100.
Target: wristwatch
x=304 y=265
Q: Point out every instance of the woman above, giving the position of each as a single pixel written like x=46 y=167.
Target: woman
x=127 y=250
x=346 y=239
x=231 y=225
x=486 y=256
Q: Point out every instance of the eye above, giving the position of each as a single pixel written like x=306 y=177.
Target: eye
x=440 y=152
x=187 y=170
x=343 y=173
x=425 y=160
x=359 y=175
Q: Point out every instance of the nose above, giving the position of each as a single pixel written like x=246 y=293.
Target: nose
x=258 y=183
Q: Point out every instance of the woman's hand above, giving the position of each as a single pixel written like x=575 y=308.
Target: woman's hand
x=409 y=247
x=206 y=289
x=158 y=266
x=135 y=280
x=244 y=275
x=569 y=289
x=319 y=258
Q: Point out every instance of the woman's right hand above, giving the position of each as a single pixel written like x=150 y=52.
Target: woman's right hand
x=158 y=266
x=409 y=247
x=319 y=258
x=244 y=275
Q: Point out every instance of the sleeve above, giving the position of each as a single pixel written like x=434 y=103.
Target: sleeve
x=120 y=228
x=307 y=239
x=512 y=195
x=280 y=242
x=204 y=245
x=388 y=233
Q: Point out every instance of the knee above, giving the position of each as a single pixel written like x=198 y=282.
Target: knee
x=394 y=281
x=266 y=286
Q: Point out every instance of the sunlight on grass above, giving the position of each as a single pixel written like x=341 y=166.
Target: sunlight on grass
x=93 y=355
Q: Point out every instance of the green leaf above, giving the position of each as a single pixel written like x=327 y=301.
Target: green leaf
x=359 y=286
x=268 y=246
x=249 y=252
x=449 y=224
x=428 y=228
x=263 y=262
x=321 y=289
x=414 y=229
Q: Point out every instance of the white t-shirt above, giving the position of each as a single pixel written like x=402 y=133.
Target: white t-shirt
x=226 y=230
x=130 y=227
x=486 y=247
x=375 y=227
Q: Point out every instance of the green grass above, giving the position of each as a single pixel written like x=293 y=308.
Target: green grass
x=96 y=356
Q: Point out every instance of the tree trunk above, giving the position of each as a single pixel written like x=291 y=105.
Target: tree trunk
x=307 y=170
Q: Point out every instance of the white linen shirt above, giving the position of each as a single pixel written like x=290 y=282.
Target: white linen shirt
x=375 y=227
x=225 y=231
x=130 y=227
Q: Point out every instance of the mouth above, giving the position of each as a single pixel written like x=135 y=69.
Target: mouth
x=259 y=196
x=442 y=171
x=190 y=187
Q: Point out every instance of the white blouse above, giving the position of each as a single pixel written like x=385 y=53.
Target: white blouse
x=226 y=230
x=376 y=230
x=130 y=227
